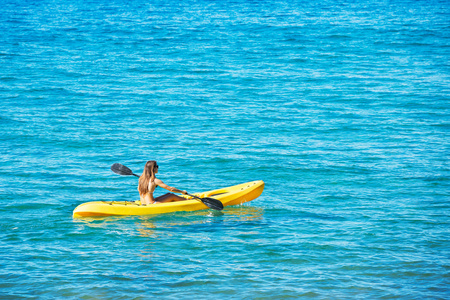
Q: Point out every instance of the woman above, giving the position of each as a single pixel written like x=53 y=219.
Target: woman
x=148 y=183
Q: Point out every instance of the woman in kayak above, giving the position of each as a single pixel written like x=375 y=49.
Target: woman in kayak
x=148 y=183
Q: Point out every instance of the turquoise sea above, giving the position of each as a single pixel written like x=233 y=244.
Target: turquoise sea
x=341 y=107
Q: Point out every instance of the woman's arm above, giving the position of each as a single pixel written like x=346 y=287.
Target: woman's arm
x=169 y=188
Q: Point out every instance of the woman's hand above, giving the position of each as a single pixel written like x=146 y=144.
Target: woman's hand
x=184 y=192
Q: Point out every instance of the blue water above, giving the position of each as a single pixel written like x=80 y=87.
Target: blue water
x=341 y=107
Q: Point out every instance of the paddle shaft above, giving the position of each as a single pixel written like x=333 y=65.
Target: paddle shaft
x=193 y=196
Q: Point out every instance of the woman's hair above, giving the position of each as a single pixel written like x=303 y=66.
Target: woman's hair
x=147 y=175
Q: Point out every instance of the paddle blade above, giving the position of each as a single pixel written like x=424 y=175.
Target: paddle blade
x=212 y=203
x=122 y=170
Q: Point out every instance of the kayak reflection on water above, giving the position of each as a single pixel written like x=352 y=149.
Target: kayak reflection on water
x=155 y=226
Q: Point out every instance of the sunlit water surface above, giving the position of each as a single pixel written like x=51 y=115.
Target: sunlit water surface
x=342 y=108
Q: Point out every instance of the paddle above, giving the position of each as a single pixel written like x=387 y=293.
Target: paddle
x=122 y=170
x=210 y=202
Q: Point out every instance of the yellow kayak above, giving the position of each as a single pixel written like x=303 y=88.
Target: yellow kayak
x=232 y=195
